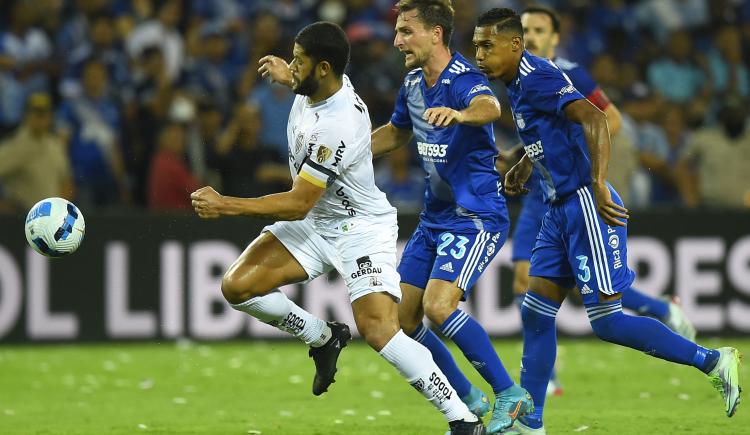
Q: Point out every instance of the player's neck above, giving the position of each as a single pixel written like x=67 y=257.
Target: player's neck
x=325 y=90
x=435 y=65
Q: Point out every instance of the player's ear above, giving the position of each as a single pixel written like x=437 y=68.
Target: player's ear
x=324 y=68
x=555 y=39
x=516 y=43
x=437 y=34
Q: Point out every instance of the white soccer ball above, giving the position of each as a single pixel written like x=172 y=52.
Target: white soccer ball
x=55 y=227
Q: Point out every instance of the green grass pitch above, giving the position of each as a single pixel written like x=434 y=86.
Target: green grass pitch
x=264 y=388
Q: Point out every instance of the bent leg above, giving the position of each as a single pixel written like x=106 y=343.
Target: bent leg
x=647 y=335
x=441 y=306
x=376 y=315
x=250 y=285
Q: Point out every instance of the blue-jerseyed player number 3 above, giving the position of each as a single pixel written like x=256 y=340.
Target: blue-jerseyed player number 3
x=583 y=266
x=458 y=250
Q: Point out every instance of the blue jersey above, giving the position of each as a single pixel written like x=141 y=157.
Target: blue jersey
x=555 y=144
x=530 y=220
x=462 y=185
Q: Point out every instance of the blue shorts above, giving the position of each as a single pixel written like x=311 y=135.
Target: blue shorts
x=576 y=247
x=527 y=227
x=455 y=256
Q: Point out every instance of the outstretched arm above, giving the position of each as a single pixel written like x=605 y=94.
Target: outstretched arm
x=594 y=123
x=483 y=109
x=389 y=137
x=285 y=206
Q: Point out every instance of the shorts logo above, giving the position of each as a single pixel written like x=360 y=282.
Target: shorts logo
x=299 y=143
x=448 y=267
x=375 y=282
x=614 y=241
x=520 y=122
x=364 y=264
x=586 y=290
x=323 y=154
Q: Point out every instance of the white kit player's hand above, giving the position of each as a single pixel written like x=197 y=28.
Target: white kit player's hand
x=207 y=202
x=442 y=116
x=276 y=68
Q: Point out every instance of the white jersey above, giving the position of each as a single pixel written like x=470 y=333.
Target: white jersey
x=329 y=146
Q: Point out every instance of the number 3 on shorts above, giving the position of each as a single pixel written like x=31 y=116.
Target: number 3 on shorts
x=459 y=249
x=582 y=260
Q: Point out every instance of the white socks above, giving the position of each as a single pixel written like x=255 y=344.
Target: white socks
x=415 y=363
x=277 y=310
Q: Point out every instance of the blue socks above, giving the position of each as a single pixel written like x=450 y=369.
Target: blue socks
x=474 y=342
x=647 y=335
x=443 y=358
x=644 y=304
x=539 y=351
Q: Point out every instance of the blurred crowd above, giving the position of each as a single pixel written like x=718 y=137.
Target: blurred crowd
x=135 y=103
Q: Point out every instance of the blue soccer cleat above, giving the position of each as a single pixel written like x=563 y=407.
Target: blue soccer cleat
x=511 y=403
x=477 y=402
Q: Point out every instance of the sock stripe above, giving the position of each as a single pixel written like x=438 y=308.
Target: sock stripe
x=530 y=304
x=420 y=332
x=605 y=313
x=458 y=327
x=451 y=327
x=593 y=309
x=541 y=303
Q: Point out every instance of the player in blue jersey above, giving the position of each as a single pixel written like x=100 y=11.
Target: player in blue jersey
x=582 y=242
x=541 y=36
x=446 y=104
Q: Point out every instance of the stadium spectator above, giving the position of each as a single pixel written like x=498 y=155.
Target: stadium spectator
x=729 y=73
x=275 y=101
x=92 y=124
x=713 y=169
x=402 y=183
x=212 y=74
x=163 y=33
x=25 y=53
x=660 y=154
x=679 y=75
x=103 y=46
x=247 y=168
x=34 y=162
x=170 y=180
x=153 y=97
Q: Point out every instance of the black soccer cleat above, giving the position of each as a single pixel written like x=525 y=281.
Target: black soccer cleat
x=461 y=427
x=325 y=357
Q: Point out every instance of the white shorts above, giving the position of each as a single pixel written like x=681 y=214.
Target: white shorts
x=366 y=259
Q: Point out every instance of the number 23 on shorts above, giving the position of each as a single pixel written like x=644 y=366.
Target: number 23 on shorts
x=457 y=251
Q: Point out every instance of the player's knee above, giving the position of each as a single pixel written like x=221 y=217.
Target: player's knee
x=238 y=288
x=377 y=331
x=410 y=320
x=439 y=309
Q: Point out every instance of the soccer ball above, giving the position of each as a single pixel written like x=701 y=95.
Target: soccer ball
x=55 y=227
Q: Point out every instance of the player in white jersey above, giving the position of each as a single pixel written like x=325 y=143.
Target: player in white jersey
x=334 y=217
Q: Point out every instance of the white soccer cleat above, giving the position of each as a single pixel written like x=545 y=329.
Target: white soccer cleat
x=520 y=428
x=678 y=322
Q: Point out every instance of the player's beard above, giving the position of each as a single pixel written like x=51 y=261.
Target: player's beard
x=308 y=86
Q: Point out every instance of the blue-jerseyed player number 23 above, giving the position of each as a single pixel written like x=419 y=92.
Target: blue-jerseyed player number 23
x=458 y=250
